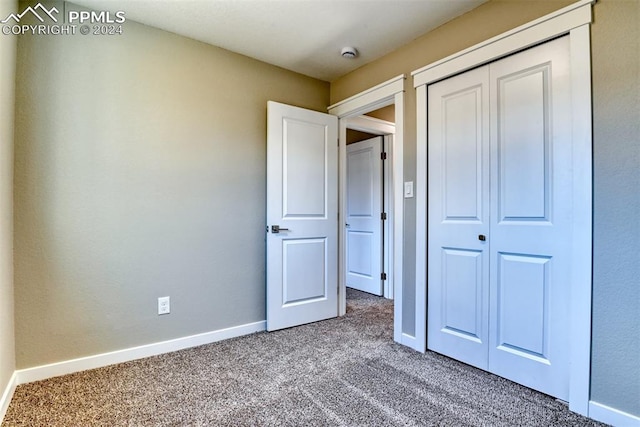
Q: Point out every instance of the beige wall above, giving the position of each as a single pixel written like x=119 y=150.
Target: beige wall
x=616 y=98
x=387 y=113
x=139 y=173
x=7 y=84
x=615 y=33
x=357 y=136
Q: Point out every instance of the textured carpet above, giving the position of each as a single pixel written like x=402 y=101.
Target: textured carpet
x=340 y=372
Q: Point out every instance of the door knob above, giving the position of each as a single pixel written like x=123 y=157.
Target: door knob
x=482 y=237
x=275 y=229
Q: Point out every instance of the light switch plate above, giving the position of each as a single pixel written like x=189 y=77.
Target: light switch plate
x=408 y=189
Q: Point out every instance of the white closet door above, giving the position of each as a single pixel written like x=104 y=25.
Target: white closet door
x=500 y=211
x=458 y=211
x=531 y=211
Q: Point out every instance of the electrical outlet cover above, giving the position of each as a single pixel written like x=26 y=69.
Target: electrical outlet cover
x=164 y=305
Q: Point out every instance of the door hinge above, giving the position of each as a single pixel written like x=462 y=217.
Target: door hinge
x=383 y=276
x=383 y=155
x=383 y=216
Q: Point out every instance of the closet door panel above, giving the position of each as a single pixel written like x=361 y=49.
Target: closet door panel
x=458 y=212
x=531 y=209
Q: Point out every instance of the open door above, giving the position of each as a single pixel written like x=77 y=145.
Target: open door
x=302 y=216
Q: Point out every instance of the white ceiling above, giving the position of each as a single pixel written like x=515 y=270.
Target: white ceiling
x=305 y=36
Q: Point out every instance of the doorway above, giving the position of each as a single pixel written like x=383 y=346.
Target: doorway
x=390 y=92
x=368 y=210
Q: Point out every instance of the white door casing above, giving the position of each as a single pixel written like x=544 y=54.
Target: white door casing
x=500 y=244
x=302 y=200
x=363 y=219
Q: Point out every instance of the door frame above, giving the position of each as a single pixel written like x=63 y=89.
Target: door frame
x=572 y=21
x=387 y=131
x=390 y=92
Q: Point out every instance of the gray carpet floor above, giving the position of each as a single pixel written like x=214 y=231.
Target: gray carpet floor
x=340 y=372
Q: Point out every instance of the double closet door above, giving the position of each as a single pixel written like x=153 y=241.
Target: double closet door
x=500 y=217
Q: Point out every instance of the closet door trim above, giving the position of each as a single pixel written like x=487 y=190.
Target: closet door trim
x=548 y=27
x=574 y=21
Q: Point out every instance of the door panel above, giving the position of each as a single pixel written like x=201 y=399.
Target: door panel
x=302 y=200
x=461 y=301
x=364 y=223
x=523 y=144
x=305 y=264
x=462 y=154
x=360 y=256
x=531 y=218
x=523 y=305
x=304 y=169
x=458 y=212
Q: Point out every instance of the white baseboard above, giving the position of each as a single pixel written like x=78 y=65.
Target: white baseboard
x=100 y=360
x=7 y=394
x=606 y=414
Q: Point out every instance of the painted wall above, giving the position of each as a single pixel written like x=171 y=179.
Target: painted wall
x=616 y=271
x=357 y=136
x=139 y=172
x=387 y=113
x=7 y=86
x=616 y=98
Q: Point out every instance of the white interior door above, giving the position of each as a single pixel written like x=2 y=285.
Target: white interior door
x=458 y=274
x=531 y=217
x=363 y=220
x=302 y=216
x=500 y=209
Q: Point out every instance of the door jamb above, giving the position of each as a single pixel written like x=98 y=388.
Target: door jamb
x=574 y=21
x=382 y=95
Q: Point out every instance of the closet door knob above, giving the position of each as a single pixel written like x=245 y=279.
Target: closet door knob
x=482 y=237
